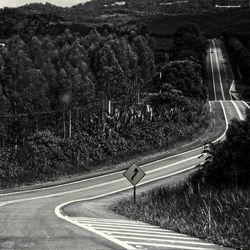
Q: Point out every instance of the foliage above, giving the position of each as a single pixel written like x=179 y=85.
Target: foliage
x=189 y=43
x=219 y=216
x=45 y=155
x=213 y=203
x=183 y=76
x=242 y=55
x=228 y=162
x=56 y=93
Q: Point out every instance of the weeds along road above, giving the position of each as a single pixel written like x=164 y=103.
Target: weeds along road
x=28 y=219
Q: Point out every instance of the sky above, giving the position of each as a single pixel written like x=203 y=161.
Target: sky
x=16 y=3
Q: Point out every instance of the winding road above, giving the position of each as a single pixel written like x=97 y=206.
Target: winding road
x=76 y=215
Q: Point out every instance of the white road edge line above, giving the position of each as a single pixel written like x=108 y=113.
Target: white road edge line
x=58 y=209
x=97 y=185
x=166 y=245
x=100 y=220
x=246 y=104
x=155 y=235
x=59 y=212
x=112 y=225
x=212 y=68
x=166 y=240
x=218 y=66
x=238 y=110
x=102 y=176
x=106 y=236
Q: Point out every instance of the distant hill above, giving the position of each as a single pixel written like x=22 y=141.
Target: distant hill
x=96 y=8
x=41 y=8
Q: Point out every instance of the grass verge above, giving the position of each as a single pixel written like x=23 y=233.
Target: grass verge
x=220 y=216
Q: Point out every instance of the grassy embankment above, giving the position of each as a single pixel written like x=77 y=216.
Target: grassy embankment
x=216 y=215
x=214 y=209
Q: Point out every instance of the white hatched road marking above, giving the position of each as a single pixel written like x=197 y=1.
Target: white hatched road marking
x=139 y=235
x=165 y=246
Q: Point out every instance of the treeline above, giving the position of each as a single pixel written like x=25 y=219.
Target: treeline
x=95 y=8
x=24 y=23
x=242 y=54
x=228 y=162
x=237 y=41
x=49 y=74
x=185 y=73
x=70 y=101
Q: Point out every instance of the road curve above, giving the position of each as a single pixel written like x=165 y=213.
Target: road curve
x=27 y=219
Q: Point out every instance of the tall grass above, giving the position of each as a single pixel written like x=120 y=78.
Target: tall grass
x=220 y=216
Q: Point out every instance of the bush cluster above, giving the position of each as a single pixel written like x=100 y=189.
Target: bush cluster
x=45 y=156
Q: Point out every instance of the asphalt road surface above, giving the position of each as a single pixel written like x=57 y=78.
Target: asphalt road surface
x=50 y=218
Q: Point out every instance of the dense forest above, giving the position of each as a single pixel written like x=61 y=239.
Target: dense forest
x=71 y=100
x=227 y=162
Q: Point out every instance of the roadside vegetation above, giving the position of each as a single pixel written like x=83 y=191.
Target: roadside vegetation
x=237 y=40
x=71 y=101
x=213 y=203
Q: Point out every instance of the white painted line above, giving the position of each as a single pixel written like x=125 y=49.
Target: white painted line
x=123 y=189
x=218 y=66
x=90 y=187
x=170 y=157
x=166 y=240
x=132 y=227
x=102 y=176
x=60 y=193
x=237 y=110
x=166 y=245
x=246 y=104
x=60 y=185
x=231 y=90
x=155 y=235
x=95 y=186
x=161 y=231
x=174 y=164
x=108 y=237
x=226 y=121
x=101 y=220
x=225 y=116
x=212 y=68
x=111 y=225
x=164 y=233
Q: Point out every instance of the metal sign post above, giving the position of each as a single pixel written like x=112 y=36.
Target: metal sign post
x=134 y=194
x=134 y=174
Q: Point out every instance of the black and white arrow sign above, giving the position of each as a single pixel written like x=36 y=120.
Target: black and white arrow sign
x=134 y=174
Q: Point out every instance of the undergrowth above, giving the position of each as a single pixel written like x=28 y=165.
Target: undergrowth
x=214 y=202
x=220 y=216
